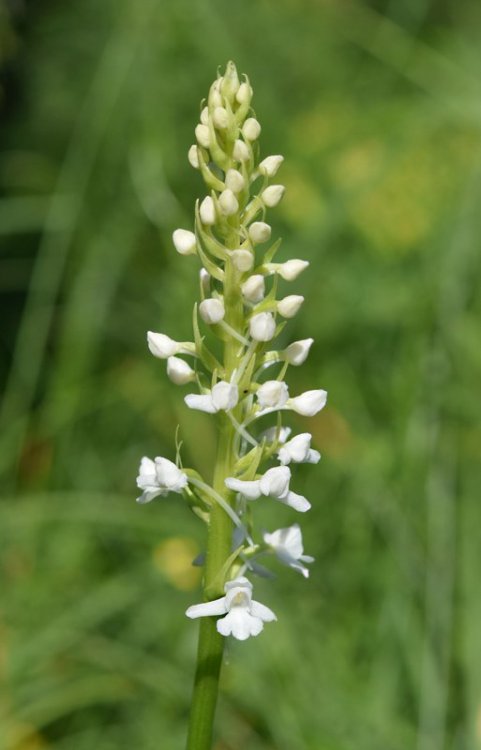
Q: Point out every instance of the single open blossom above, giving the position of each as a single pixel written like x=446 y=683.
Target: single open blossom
x=274 y=483
x=272 y=394
x=287 y=545
x=223 y=397
x=299 y=451
x=242 y=616
x=159 y=477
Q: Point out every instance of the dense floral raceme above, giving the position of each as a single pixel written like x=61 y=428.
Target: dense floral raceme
x=232 y=368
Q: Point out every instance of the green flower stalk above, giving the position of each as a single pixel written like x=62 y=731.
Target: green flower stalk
x=230 y=360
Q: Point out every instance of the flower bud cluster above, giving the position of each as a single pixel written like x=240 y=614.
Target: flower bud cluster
x=239 y=315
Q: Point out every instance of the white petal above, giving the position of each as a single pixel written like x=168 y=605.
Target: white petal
x=239 y=623
x=207 y=609
x=225 y=395
x=250 y=490
x=298 y=502
x=300 y=568
x=307 y=558
x=263 y=612
x=313 y=457
x=275 y=482
x=149 y=495
x=169 y=475
x=309 y=403
x=200 y=402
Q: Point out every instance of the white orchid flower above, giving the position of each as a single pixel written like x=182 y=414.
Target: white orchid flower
x=274 y=483
x=223 y=397
x=288 y=548
x=299 y=451
x=243 y=616
x=159 y=477
x=272 y=394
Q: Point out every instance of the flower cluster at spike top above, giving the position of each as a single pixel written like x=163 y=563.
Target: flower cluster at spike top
x=231 y=357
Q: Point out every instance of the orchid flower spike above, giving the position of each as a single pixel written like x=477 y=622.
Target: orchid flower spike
x=236 y=323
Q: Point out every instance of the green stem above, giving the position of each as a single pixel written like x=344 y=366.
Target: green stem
x=219 y=543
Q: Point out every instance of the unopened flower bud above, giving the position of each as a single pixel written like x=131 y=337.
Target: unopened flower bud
x=230 y=82
x=272 y=394
x=234 y=180
x=243 y=260
x=259 y=231
x=290 y=306
x=204 y=116
x=193 y=156
x=309 y=403
x=254 y=288
x=296 y=353
x=204 y=277
x=291 y=269
x=212 y=311
x=207 y=211
x=251 y=129
x=272 y=195
x=228 y=203
x=241 y=151
x=244 y=95
x=184 y=241
x=262 y=327
x=270 y=165
x=215 y=97
x=220 y=118
x=161 y=346
x=203 y=135
x=179 y=371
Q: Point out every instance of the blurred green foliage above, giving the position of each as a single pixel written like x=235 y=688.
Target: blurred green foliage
x=377 y=109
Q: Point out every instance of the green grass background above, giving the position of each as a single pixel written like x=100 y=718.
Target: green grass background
x=377 y=109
